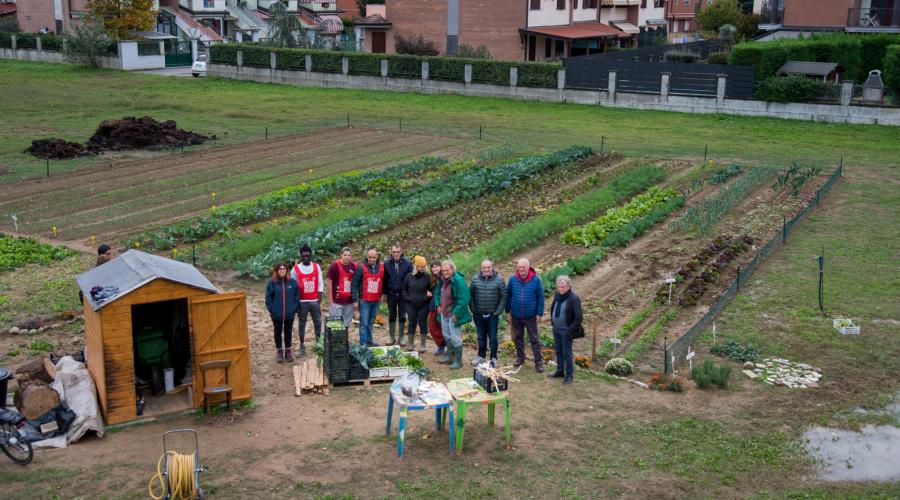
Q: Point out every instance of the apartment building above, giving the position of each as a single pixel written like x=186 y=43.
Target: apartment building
x=792 y=17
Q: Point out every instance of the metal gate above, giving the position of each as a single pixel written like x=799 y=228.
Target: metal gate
x=178 y=53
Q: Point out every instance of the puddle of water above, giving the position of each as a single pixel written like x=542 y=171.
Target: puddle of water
x=869 y=455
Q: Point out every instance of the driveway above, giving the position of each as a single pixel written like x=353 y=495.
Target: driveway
x=179 y=71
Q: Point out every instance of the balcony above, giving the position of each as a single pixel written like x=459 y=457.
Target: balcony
x=873 y=19
x=771 y=17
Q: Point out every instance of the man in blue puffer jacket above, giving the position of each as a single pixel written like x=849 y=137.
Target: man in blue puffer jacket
x=524 y=304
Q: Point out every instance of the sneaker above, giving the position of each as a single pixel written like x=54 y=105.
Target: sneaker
x=495 y=363
x=539 y=368
x=567 y=380
x=556 y=374
x=518 y=363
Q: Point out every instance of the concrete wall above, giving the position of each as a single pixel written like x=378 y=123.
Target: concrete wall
x=49 y=56
x=684 y=104
x=128 y=54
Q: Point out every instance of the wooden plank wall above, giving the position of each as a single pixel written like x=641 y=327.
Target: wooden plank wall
x=219 y=331
x=93 y=349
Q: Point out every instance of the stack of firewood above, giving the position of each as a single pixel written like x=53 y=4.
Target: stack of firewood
x=310 y=378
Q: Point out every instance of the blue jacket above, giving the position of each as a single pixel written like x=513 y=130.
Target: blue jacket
x=525 y=298
x=282 y=298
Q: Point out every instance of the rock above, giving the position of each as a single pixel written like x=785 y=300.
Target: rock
x=749 y=365
x=779 y=382
x=33 y=331
x=812 y=384
x=760 y=365
x=750 y=374
x=14 y=330
x=41 y=329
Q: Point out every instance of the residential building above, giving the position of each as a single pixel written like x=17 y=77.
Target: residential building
x=786 y=18
x=54 y=16
x=682 y=14
x=7 y=8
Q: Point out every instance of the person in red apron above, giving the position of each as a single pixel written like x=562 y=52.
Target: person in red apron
x=340 y=277
x=434 y=324
x=308 y=275
x=368 y=287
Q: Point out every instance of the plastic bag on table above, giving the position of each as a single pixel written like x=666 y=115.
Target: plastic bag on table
x=410 y=385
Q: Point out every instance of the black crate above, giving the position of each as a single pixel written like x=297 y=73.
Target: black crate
x=357 y=372
x=336 y=335
x=337 y=351
x=488 y=383
x=337 y=371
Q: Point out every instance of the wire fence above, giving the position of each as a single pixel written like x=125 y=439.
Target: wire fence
x=679 y=349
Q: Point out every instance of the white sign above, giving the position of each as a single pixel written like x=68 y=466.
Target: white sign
x=670 y=280
x=690 y=355
x=615 y=341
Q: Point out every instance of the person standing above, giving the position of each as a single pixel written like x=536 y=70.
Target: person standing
x=434 y=324
x=488 y=292
x=396 y=269
x=368 y=286
x=308 y=276
x=566 y=316
x=282 y=298
x=451 y=297
x=340 y=277
x=416 y=297
x=524 y=304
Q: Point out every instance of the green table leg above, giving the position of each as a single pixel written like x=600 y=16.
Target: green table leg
x=491 y=414
x=461 y=408
x=508 y=431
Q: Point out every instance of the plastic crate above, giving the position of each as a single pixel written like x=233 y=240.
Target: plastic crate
x=398 y=371
x=488 y=383
x=357 y=372
x=851 y=329
x=336 y=350
x=379 y=372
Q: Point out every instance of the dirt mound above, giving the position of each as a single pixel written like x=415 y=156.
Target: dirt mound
x=59 y=149
x=144 y=132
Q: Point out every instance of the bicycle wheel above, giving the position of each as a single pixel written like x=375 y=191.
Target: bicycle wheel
x=16 y=448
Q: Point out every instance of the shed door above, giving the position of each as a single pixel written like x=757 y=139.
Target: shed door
x=219 y=331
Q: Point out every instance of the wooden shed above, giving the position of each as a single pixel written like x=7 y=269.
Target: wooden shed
x=137 y=293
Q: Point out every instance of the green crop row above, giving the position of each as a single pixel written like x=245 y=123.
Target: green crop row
x=702 y=216
x=16 y=252
x=629 y=326
x=650 y=335
x=532 y=231
x=227 y=217
x=437 y=194
x=617 y=217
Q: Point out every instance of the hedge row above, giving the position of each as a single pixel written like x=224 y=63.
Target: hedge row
x=857 y=54
x=892 y=70
x=543 y=75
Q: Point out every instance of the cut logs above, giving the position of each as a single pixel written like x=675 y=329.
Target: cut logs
x=310 y=378
x=34 y=397
x=37 y=369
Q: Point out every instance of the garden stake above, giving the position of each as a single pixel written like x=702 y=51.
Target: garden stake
x=53 y=228
x=784 y=230
x=665 y=355
x=480 y=131
x=738 y=279
x=594 y=345
x=48 y=167
x=267 y=133
x=705 y=151
x=602 y=141
x=93 y=241
x=821 y=259
x=400 y=121
x=182 y=148
x=193 y=255
x=15 y=222
x=348 y=119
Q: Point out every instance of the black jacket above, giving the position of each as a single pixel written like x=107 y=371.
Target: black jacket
x=488 y=294
x=574 y=313
x=395 y=273
x=415 y=289
x=282 y=298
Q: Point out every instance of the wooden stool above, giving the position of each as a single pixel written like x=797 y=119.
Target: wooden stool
x=216 y=389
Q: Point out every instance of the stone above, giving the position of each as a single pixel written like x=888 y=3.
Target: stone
x=33 y=331
x=41 y=329
x=750 y=374
x=14 y=330
x=748 y=365
x=779 y=382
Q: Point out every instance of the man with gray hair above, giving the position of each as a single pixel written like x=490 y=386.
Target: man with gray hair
x=451 y=298
x=488 y=292
x=566 y=316
x=524 y=304
x=368 y=286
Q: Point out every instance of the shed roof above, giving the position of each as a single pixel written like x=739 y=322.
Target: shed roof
x=134 y=269
x=807 y=68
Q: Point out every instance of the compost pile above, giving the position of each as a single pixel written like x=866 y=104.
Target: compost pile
x=138 y=133
x=118 y=135
x=59 y=149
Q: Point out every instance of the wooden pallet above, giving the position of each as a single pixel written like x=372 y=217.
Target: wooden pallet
x=366 y=382
x=310 y=378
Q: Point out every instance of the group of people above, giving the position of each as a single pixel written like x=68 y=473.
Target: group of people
x=438 y=301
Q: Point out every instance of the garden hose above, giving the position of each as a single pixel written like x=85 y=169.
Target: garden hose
x=180 y=469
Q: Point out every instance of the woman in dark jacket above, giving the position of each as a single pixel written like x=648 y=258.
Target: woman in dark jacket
x=416 y=293
x=282 y=299
x=434 y=324
x=565 y=316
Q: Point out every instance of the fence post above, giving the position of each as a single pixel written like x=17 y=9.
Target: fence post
x=13 y=39
x=345 y=65
x=513 y=76
x=738 y=280
x=846 y=92
x=561 y=78
x=467 y=75
x=425 y=70
x=162 y=49
x=384 y=68
x=664 y=86
x=720 y=88
x=193 y=49
x=240 y=58
x=39 y=44
x=784 y=230
x=307 y=63
x=65 y=45
x=611 y=86
x=666 y=355
x=273 y=60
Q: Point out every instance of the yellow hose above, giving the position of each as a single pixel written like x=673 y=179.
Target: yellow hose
x=181 y=477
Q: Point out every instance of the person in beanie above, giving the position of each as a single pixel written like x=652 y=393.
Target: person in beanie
x=282 y=298
x=104 y=254
x=308 y=276
x=565 y=316
x=416 y=297
x=524 y=304
x=434 y=324
x=368 y=286
x=395 y=271
x=488 y=292
x=340 y=277
x=451 y=297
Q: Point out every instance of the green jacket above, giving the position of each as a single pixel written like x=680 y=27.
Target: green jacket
x=461 y=298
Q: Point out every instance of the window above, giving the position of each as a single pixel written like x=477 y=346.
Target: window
x=535 y=4
x=687 y=2
x=659 y=3
x=209 y=4
x=560 y=4
x=547 y=51
x=590 y=4
x=560 y=48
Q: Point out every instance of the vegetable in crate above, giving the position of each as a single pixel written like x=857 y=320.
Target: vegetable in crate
x=334 y=325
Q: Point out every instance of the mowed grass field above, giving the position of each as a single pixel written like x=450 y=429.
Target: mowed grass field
x=600 y=438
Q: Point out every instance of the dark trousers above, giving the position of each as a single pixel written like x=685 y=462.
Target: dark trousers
x=487 y=331
x=396 y=309
x=286 y=326
x=312 y=309
x=519 y=325
x=562 y=344
x=418 y=316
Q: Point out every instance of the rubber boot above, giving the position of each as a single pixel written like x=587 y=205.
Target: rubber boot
x=412 y=341
x=391 y=329
x=422 y=344
x=448 y=356
x=457 y=357
x=401 y=336
x=440 y=350
x=288 y=355
x=279 y=355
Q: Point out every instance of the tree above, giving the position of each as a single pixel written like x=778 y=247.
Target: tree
x=415 y=45
x=123 y=16
x=9 y=24
x=361 y=5
x=725 y=12
x=88 y=43
x=281 y=26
